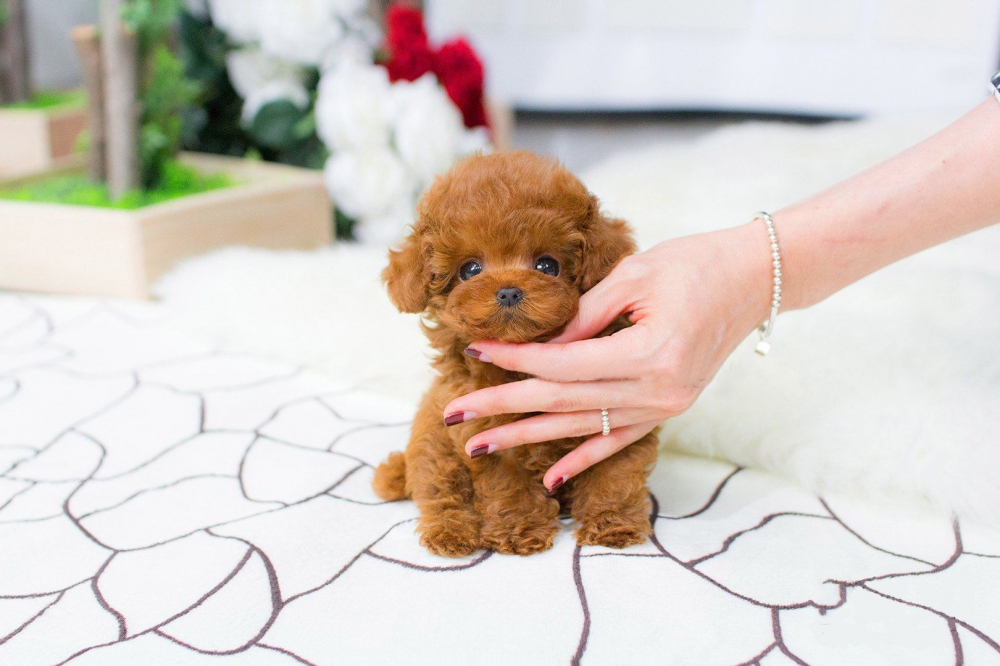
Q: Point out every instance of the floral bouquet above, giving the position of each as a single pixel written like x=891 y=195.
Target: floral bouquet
x=310 y=83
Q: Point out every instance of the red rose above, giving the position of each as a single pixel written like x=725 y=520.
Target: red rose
x=405 y=27
x=460 y=71
x=455 y=64
x=410 y=54
x=409 y=65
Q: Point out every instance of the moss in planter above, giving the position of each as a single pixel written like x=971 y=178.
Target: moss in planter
x=52 y=100
x=75 y=189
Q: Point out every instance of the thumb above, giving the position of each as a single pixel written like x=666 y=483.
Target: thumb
x=598 y=308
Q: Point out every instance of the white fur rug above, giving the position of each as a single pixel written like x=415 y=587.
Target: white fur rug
x=163 y=504
x=890 y=389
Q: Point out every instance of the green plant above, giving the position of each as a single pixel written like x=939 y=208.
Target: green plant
x=51 y=100
x=213 y=124
x=280 y=132
x=151 y=21
x=165 y=93
x=177 y=181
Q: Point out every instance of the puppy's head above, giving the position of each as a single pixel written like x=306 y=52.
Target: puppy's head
x=504 y=246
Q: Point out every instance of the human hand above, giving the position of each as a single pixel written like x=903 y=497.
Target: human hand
x=692 y=301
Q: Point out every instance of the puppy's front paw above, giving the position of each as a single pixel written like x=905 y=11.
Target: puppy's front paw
x=522 y=540
x=452 y=534
x=613 y=532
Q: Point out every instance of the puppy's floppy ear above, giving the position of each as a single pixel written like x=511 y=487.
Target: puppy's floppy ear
x=407 y=277
x=606 y=241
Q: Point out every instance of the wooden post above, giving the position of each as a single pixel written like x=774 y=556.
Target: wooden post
x=121 y=107
x=15 y=84
x=88 y=48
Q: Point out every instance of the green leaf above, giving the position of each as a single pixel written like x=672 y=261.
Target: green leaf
x=311 y=77
x=151 y=21
x=165 y=97
x=83 y=142
x=343 y=225
x=275 y=123
x=310 y=153
x=306 y=127
x=203 y=49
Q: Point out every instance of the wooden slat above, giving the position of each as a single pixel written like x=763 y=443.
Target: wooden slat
x=15 y=75
x=121 y=107
x=88 y=49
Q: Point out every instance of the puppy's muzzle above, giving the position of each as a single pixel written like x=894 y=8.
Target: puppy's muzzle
x=508 y=297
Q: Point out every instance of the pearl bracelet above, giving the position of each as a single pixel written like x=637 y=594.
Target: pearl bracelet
x=765 y=329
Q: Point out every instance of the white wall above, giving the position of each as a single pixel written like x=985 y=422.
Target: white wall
x=810 y=56
x=53 y=58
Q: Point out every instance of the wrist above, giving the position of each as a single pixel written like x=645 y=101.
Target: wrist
x=756 y=270
x=741 y=272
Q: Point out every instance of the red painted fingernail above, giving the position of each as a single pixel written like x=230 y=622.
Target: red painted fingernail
x=476 y=354
x=458 y=417
x=556 y=484
x=480 y=450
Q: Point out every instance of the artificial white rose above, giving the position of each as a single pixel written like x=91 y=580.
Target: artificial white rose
x=368 y=183
x=429 y=131
x=388 y=228
x=365 y=27
x=259 y=78
x=353 y=110
x=475 y=140
x=299 y=30
x=352 y=48
x=348 y=8
x=239 y=19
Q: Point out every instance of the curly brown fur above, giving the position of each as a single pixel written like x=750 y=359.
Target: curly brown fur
x=390 y=478
x=505 y=211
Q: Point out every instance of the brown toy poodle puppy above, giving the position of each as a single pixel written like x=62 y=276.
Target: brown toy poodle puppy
x=504 y=246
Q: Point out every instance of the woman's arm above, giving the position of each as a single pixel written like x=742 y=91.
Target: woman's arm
x=940 y=189
x=694 y=299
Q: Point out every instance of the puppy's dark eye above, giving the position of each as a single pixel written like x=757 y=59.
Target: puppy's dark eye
x=469 y=270
x=547 y=265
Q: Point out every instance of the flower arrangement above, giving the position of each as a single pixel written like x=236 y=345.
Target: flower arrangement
x=309 y=82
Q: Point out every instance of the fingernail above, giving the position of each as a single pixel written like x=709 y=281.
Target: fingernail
x=478 y=355
x=458 y=417
x=482 y=450
x=556 y=484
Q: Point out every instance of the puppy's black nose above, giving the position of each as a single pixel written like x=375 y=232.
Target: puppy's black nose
x=508 y=297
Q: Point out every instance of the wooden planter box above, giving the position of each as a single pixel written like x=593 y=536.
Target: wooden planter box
x=100 y=252
x=33 y=141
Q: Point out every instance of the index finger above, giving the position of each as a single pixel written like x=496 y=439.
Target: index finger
x=613 y=357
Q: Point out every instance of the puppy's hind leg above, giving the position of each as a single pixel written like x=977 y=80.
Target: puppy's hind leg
x=390 y=478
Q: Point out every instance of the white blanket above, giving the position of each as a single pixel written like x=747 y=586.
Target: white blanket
x=165 y=503
x=890 y=389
